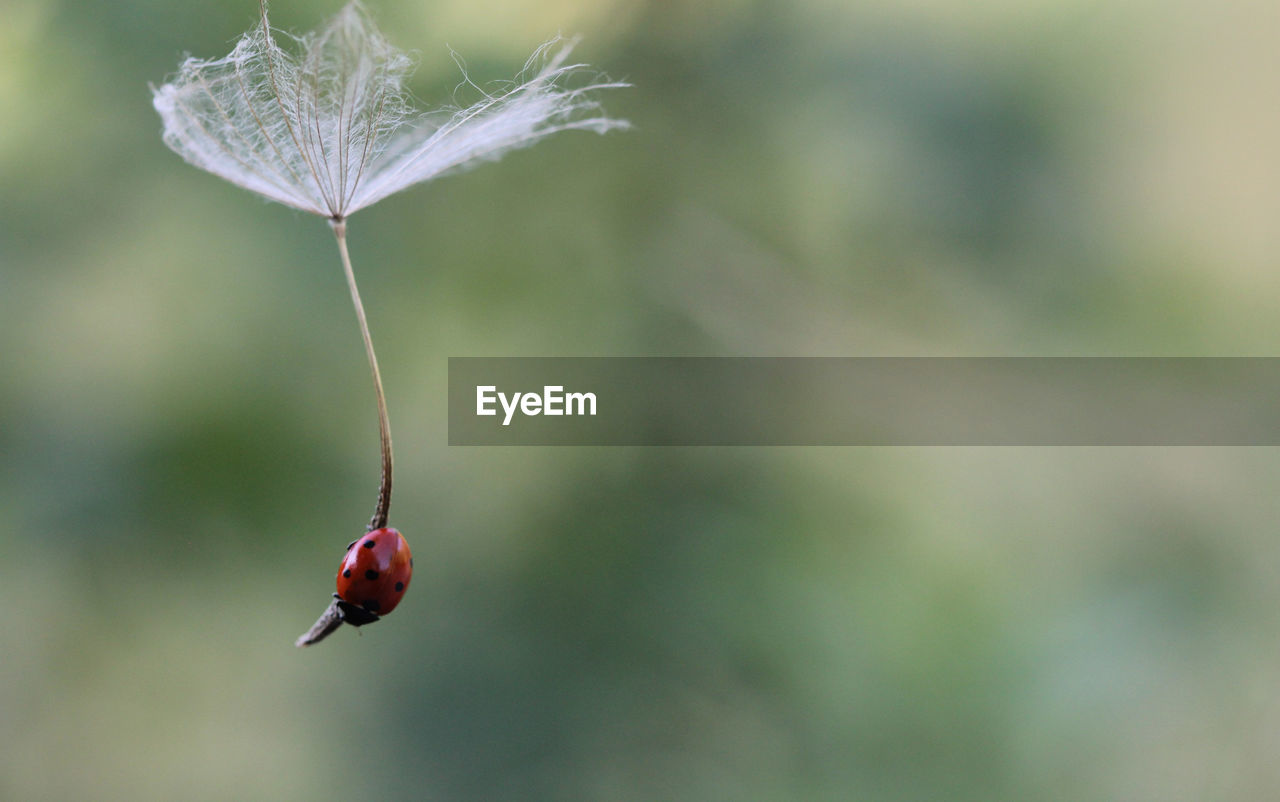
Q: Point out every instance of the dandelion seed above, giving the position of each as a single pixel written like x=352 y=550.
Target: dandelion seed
x=330 y=130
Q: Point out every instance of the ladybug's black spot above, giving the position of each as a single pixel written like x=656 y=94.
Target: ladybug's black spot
x=368 y=544
x=399 y=587
x=352 y=543
x=371 y=574
x=347 y=573
x=371 y=605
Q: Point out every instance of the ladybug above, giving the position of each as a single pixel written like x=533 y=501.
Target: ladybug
x=375 y=573
x=372 y=579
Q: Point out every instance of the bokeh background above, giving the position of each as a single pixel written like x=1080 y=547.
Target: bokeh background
x=187 y=439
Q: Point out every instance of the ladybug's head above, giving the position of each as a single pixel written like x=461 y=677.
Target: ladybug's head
x=354 y=615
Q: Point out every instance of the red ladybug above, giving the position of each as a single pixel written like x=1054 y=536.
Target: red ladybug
x=372 y=579
x=375 y=573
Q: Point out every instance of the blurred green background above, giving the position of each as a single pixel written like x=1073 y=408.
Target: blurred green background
x=187 y=436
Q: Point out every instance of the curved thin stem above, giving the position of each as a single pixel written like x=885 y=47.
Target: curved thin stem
x=379 y=519
x=325 y=626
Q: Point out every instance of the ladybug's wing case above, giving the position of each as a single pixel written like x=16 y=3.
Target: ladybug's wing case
x=375 y=571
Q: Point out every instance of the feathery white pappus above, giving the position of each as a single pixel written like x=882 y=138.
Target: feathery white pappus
x=331 y=129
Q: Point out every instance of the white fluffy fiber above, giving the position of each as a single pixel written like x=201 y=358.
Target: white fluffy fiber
x=331 y=129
